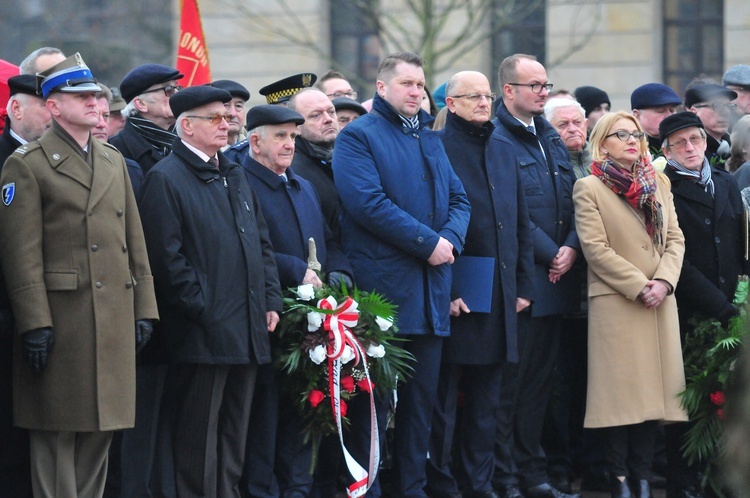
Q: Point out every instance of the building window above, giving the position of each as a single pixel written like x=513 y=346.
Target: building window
x=355 y=43
x=693 y=41
x=519 y=36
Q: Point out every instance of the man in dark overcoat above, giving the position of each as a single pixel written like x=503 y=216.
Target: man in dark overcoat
x=548 y=177
x=71 y=239
x=218 y=292
x=711 y=214
x=149 y=130
x=276 y=453
x=480 y=343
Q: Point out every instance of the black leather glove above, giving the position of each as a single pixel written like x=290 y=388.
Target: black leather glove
x=143 y=329
x=37 y=345
x=335 y=278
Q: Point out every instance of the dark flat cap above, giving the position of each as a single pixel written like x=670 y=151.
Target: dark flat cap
x=196 y=96
x=69 y=76
x=738 y=75
x=677 y=122
x=261 y=115
x=23 y=83
x=347 y=103
x=706 y=93
x=280 y=91
x=232 y=87
x=653 y=95
x=144 y=76
x=591 y=97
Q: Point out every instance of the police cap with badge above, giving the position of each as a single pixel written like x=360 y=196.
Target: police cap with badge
x=279 y=92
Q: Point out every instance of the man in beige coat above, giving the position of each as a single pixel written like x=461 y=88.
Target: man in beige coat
x=78 y=277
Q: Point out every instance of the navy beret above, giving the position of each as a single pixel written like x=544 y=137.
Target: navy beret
x=677 y=122
x=23 y=83
x=591 y=97
x=738 y=75
x=232 y=87
x=266 y=114
x=653 y=95
x=281 y=91
x=142 y=77
x=196 y=96
x=706 y=93
x=346 y=103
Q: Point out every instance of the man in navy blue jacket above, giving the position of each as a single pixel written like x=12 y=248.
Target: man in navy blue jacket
x=548 y=180
x=404 y=218
x=480 y=344
x=277 y=459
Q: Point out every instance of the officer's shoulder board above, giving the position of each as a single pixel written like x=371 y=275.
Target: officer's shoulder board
x=26 y=148
x=107 y=144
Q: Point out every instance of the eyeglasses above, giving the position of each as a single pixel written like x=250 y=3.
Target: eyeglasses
x=352 y=95
x=215 y=120
x=681 y=144
x=718 y=107
x=169 y=90
x=476 y=97
x=625 y=136
x=535 y=87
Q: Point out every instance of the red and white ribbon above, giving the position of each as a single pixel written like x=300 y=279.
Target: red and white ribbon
x=337 y=323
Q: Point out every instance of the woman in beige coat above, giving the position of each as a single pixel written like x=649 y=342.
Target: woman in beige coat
x=629 y=234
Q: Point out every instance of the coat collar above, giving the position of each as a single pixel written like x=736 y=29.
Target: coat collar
x=197 y=166
x=686 y=188
x=267 y=176
x=67 y=161
x=386 y=110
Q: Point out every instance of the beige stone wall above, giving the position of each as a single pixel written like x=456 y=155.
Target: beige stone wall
x=251 y=52
x=623 y=52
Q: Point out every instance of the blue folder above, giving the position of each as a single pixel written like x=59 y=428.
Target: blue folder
x=472 y=282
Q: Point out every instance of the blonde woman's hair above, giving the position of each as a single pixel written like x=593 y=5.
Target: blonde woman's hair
x=603 y=128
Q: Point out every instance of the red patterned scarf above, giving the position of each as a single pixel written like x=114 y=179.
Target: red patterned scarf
x=638 y=188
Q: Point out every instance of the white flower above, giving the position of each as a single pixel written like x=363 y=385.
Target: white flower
x=383 y=323
x=347 y=355
x=376 y=350
x=317 y=354
x=306 y=292
x=314 y=321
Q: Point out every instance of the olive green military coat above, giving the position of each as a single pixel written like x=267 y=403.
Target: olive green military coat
x=74 y=258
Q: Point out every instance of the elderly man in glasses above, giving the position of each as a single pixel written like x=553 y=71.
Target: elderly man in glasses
x=542 y=159
x=709 y=207
x=713 y=105
x=149 y=131
x=218 y=287
x=477 y=349
x=146 y=138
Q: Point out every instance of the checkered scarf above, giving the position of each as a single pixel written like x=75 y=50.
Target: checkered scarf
x=638 y=188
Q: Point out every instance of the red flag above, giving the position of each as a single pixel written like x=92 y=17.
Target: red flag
x=192 y=54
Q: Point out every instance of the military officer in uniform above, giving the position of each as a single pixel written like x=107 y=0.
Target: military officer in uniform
x=78 y=277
